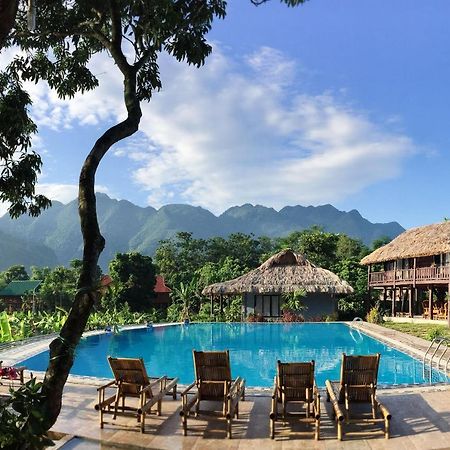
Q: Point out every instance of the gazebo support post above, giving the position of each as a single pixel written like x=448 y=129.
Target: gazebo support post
x=394 y=294
x=416 y=299
x=212 y=306
x=244 y=301
x=221 y=304
x=410 y=301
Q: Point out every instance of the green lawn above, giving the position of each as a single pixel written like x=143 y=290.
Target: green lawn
x=422 y=330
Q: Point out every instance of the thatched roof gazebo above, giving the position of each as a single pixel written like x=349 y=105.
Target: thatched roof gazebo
x=285 y=272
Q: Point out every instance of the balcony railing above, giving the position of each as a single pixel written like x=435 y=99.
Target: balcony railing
x=423 y=275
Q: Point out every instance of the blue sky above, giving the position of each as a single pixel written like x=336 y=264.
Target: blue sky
x=344 y=102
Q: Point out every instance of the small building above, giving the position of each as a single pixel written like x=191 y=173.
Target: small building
x=412 y=272
x=162 y=293
x=286 y=272
x=13 y=295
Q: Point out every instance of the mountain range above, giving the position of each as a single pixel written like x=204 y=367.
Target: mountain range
x=54 y=237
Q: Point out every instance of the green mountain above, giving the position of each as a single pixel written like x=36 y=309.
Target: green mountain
x=14 y=250
x=126 y=227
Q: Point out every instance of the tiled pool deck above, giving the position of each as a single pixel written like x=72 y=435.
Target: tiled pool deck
x=421 y=416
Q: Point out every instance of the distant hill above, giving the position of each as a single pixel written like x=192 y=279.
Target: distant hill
x=14 y=250
x=55 y=238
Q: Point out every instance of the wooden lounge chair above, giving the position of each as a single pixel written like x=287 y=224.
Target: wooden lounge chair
x=131 y=380
x=294 y=382
x=214 y=383
x=358 y=384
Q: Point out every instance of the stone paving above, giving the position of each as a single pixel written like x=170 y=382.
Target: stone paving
x=421 y=420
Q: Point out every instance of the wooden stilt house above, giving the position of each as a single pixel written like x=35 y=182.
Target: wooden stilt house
x=412 y=272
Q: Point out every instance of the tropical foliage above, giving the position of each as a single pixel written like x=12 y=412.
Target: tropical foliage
x=24 y=324
x=134 y=279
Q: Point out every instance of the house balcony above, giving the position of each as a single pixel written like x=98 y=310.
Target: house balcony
x=418 y=276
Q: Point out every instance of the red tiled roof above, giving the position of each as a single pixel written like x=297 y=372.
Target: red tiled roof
x=160 y=285
x=105 y=280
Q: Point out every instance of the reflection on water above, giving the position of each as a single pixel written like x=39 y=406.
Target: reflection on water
x=254 y=350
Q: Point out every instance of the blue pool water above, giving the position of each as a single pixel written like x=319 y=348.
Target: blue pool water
x=254 y=350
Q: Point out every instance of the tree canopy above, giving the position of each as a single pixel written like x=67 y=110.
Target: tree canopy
x=134 y=277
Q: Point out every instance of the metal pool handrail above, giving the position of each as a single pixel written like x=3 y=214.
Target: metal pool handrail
x=439 y=341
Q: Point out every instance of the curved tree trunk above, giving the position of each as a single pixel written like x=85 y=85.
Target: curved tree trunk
x=62 y=348
x=8 y=11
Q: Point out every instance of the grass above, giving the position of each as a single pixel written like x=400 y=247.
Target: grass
x=422 y=330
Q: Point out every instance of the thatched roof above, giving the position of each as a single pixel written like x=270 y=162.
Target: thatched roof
x=283 y=273
x=414 y=243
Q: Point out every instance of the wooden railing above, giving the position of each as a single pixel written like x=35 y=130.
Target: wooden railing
x=423 y=275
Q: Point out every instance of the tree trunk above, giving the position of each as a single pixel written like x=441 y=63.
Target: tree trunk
x=8 y=11
x=62 y=348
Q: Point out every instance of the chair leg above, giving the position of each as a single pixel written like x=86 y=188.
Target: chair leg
x=229 y=428
x=339 y=430
x=184 y=424
x=272 y=428
x=197 y=407
x=317 y=434
x=387 y=429
x=347 y=405
x=374 y=405
x=116 y=403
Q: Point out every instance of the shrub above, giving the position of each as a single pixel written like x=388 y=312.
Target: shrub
x=255 y=318
x=333 y=317
x=289 y=316
x=233 y=313
x=434 y=333
x=21 y=422
x=375 y=315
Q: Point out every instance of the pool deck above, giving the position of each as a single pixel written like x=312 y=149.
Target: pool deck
x=421 y=416
x=421 y=420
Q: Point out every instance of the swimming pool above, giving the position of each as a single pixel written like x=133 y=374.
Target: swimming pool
x=254 y=350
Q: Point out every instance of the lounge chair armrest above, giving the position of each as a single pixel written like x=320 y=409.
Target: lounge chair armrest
x=316 y=395
x=188 y=388
x=275 y=389
x=386 y=414
x=106 y=385
x=334 y=400
x=237 y=385
x=234 y=396
x=153 y=384
x=102 y=405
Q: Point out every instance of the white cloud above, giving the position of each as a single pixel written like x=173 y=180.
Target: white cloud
x=91 y=108
x=238 y=131
x=249 y=139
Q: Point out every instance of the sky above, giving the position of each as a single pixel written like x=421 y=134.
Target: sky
x=344 y=102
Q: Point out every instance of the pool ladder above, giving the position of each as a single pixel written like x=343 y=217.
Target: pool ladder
x=439 y=343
